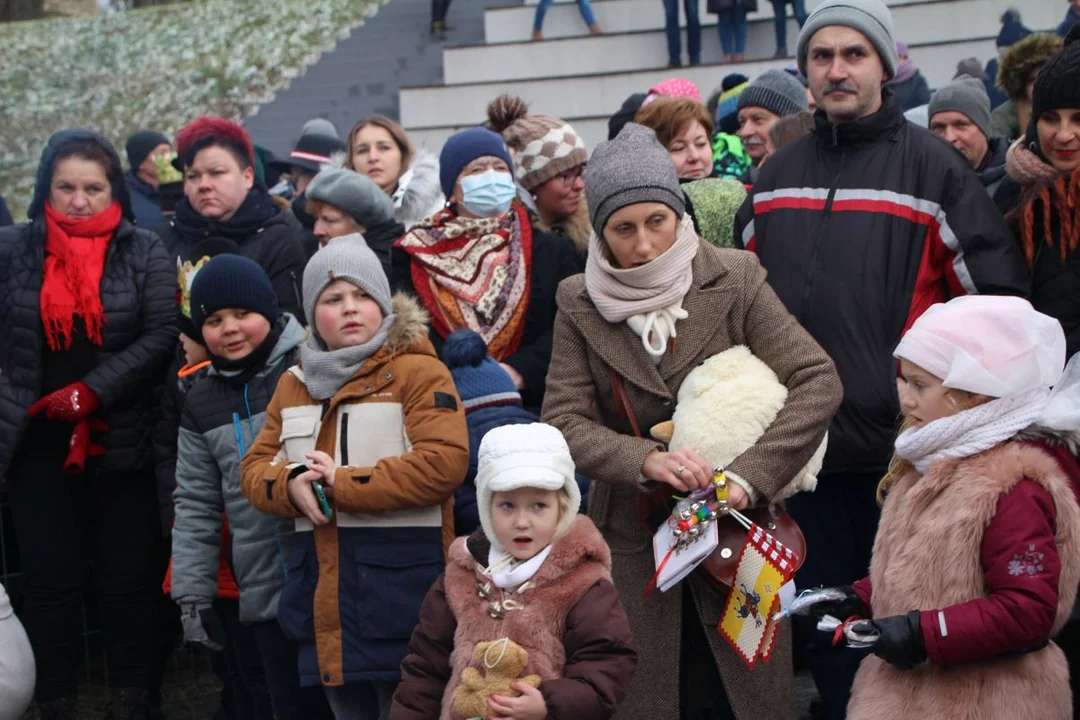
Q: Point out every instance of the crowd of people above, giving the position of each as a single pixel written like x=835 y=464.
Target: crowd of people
x=371 y=426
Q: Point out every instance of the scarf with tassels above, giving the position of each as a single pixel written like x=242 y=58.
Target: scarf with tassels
x=74 y=263
x=1052 y=203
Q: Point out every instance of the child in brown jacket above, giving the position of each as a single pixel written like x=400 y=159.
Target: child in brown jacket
x=364 y=445
x=536 y=574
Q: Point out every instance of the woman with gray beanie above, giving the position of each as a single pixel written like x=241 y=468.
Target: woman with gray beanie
x=651 y=280
x=344 y=202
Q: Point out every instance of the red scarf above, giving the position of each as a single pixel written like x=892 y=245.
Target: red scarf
x=74 y=262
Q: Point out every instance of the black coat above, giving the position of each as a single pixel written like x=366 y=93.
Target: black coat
x=911 y=93
x=1055 y=281
x=553 y=260
x=862 y=226
x=138 y=292
x=264 y=232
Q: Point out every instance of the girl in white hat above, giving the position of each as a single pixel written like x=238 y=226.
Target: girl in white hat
x=535 y=578
x=977 y=557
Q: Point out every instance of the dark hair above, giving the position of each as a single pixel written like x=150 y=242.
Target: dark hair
x=401 y=139
x=239 y=153
x=93 y=152
x=790 y=128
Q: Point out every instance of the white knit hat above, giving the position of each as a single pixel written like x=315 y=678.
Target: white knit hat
x=525 y=456
x=994 y=346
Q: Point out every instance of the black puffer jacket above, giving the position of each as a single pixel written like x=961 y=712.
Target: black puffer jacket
x=862 y=226
x=137 y=290
x=265 y=233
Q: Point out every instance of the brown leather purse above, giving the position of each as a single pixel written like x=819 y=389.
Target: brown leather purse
x=718 y=569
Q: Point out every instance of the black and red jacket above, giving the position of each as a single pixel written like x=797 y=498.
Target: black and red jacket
x=862 y=226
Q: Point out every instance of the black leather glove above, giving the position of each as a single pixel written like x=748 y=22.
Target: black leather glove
x=899 y=641
x=840 y=602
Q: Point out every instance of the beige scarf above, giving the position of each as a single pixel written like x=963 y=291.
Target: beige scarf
x=648 y=298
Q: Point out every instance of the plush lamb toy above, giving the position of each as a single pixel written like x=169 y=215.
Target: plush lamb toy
x=724 y=406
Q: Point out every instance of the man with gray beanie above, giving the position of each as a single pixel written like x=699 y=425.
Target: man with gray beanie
x=862 y=225
x=772 y=95
x=960 y=114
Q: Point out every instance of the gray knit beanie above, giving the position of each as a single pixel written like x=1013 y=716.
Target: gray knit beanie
x=352 y=193
x=964 y=95
x=870 y=17
x=777 y=91
x=632 y=168
x=345 y=258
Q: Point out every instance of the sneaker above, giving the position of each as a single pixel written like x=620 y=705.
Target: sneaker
x=537 y=35
x=438 y=30
x=594 y=29
x=781 y=53
x=674 y=63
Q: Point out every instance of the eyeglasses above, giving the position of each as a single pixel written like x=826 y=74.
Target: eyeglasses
x=571 y=176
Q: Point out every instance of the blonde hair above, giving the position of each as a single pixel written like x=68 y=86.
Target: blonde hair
x=314 y=207
x=898 y=466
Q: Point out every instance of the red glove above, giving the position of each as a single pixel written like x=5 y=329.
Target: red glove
x=71 y=404
x=82 y=448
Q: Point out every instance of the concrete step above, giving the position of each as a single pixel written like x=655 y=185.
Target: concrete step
x=595 y=95
x=588 y=102
x=927 y=23
x=514 y=24
x=592 y=130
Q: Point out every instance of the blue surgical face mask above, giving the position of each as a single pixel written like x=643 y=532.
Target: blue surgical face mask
x=488 y=194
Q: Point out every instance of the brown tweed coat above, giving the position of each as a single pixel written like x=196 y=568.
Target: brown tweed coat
x=729 y=304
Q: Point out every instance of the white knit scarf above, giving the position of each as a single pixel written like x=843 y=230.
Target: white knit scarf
x=972 y=431
x=648 y=298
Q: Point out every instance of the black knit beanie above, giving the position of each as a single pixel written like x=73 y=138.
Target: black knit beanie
x=1058 y=83
x=232 y=281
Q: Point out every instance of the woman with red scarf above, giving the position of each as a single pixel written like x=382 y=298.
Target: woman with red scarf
x=481 y=264
x=87 y=306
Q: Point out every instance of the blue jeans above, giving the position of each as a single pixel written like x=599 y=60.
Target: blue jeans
x=780 y=10
x=583 y=6
x=674 y=34
x=733 y=28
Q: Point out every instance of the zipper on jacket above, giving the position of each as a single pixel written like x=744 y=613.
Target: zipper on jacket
x=344 y=425
x=819 y=242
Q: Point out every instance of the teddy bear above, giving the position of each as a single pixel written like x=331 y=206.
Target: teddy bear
x=724 y=405
x=503 y=662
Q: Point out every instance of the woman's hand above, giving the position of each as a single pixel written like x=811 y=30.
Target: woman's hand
x=530 y=706
x=303 y=497
x=682 y=469
x=736 y=496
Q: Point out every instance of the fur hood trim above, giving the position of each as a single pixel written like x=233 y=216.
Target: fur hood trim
x=577 y=228
x=410 y=328
x=1023 y=57
x=419 y=194
x=581 y=546
x=1070 y=440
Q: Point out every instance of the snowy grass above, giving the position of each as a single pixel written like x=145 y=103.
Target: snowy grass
x=155 y=68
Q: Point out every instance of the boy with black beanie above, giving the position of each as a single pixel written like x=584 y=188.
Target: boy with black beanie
x=250 y=343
